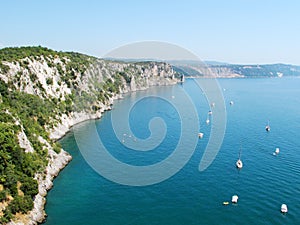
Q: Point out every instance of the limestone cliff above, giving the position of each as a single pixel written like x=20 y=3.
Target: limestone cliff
x=43 y=93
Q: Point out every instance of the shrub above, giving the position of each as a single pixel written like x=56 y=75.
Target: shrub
x=49 y=80
x=21 y=204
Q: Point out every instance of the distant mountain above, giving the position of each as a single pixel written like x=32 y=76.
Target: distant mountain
x=226 y=70
x=215 y=63
x=219 y=69
x=268 y=70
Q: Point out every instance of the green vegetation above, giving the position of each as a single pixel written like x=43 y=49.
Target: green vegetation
x=20 y=53
x=35 y=114
x=75 y=63
x=21 y=204
x=125 y=76
x=49 y=81
x=20 y=111
x=16 y=165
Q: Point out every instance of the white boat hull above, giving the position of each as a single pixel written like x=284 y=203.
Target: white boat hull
x=284 y=208
x=239 y=164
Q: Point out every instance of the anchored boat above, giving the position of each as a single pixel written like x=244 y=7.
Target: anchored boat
x=234 y=199
x=239 y=163
x=284 y=208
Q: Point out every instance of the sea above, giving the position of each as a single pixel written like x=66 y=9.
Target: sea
x=180 y=193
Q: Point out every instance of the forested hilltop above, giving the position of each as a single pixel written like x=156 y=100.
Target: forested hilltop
x=42 y=94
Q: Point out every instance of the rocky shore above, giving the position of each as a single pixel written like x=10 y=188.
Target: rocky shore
x=57 y=162
x=43 y=76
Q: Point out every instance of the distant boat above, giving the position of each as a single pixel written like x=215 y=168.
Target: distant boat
x=212 y=104
x=200 y=135
x=268 y=128
x=239 y=163
x=231 y=102
x=208 y=116
x=284 y=208
x=234 y=199
x=225 y=203
x=207 y=121
x=276 y=151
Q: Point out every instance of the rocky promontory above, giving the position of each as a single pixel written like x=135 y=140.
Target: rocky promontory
x=43 y=93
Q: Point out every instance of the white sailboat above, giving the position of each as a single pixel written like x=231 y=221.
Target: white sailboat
x=284 y=208
x=234 y=199
x=277 y=150
x=239 y=163
x=207 y=119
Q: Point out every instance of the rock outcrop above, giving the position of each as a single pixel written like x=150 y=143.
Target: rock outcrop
x=60 y=80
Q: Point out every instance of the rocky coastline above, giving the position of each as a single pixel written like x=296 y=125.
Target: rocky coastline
x=42 y=76
x=58 y=162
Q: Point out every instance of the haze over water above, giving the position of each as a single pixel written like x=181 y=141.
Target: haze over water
x=82 y=196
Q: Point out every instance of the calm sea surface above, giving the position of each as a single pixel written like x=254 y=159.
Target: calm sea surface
x=82 y=196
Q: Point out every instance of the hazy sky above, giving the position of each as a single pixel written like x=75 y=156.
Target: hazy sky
x=234 y=31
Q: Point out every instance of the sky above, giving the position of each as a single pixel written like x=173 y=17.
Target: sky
x=232 y=31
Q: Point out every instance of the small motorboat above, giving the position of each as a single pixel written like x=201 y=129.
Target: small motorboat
x=239 y=164
x=207 y=121
x=200 y=135
x=234 y=199
x=225 y=203
x=284 y=208
x=231 y=102
x=209 y=112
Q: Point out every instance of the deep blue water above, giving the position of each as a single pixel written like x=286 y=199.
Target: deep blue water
x=82 y=196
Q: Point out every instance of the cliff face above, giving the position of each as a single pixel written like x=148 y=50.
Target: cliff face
x=43 y=77
x=44 y=93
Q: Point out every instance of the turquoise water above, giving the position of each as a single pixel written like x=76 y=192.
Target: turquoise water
x=82 y=196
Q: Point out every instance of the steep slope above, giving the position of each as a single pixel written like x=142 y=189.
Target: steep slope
x=42 y=94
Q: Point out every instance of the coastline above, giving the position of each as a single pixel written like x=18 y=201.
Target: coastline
x=45 y=77
x=57 y=162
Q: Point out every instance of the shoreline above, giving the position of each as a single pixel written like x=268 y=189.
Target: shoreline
x=38 y=214
x=57 y=162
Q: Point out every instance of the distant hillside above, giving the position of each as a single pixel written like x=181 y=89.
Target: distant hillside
x=225 y=70
x=231 y=70
x=271 y=70
x=216 y=63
